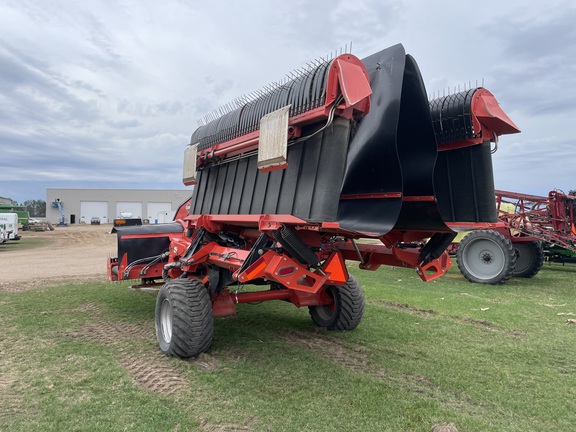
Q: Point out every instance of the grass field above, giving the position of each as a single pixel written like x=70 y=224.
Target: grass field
x=23 y=243
x=448 y=355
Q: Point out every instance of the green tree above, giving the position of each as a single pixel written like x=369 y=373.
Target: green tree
x=36 y=208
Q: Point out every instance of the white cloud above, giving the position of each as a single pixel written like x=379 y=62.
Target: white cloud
x=98 y=91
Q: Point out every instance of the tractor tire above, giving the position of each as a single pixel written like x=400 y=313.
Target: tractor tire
x=184 y=321
x=347 y=310
x=486 y=257
x=529 y=258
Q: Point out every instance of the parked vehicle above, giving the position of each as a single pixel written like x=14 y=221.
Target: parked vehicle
x=3 y=234
x=288 y=180
x=21 y=211
x=10 y=222
x=530 y=227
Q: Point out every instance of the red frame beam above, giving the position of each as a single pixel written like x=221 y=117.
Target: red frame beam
x=551 y=219
x=347 y=76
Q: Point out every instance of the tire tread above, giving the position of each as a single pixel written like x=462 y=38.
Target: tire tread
x=192 y=320
x=505 y=245
x=349 y=310
x=534 y=269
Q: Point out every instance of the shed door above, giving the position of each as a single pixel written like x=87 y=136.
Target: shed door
x=90 y=209
x=134 y=207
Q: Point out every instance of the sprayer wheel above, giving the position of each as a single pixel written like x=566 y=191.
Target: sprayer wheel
x=486 y=257
x=346 y=310
x=529 y=258
x=184 y=322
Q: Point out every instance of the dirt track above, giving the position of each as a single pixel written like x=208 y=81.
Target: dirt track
x=77 y=252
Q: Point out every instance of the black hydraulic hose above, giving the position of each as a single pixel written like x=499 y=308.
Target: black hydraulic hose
x=157 y=260
x=141 y=261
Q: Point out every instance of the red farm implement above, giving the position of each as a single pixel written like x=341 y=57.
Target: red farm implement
x=530 y=224
x=290 y=181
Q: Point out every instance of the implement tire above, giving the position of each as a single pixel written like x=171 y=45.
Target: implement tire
x=486 y=257
x=347 y=309
x=184 y=322
x=529 y=258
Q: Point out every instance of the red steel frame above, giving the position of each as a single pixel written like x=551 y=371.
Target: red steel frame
x=551 y=219
x=292 y=281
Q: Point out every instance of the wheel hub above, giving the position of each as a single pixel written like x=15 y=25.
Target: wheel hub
x=486 y=257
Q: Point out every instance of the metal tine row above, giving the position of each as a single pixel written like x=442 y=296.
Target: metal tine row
x=451 y=116
x=457 y=89
x=304 y=88
x=257 y=104
x=455 y=106
x=296 y=74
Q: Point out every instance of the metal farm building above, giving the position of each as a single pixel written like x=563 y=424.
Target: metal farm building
x=81 y=205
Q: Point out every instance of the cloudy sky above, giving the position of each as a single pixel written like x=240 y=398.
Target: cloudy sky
x=107 y=93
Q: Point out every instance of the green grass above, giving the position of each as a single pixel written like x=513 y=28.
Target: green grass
x=23 y=243
x=484 y=358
